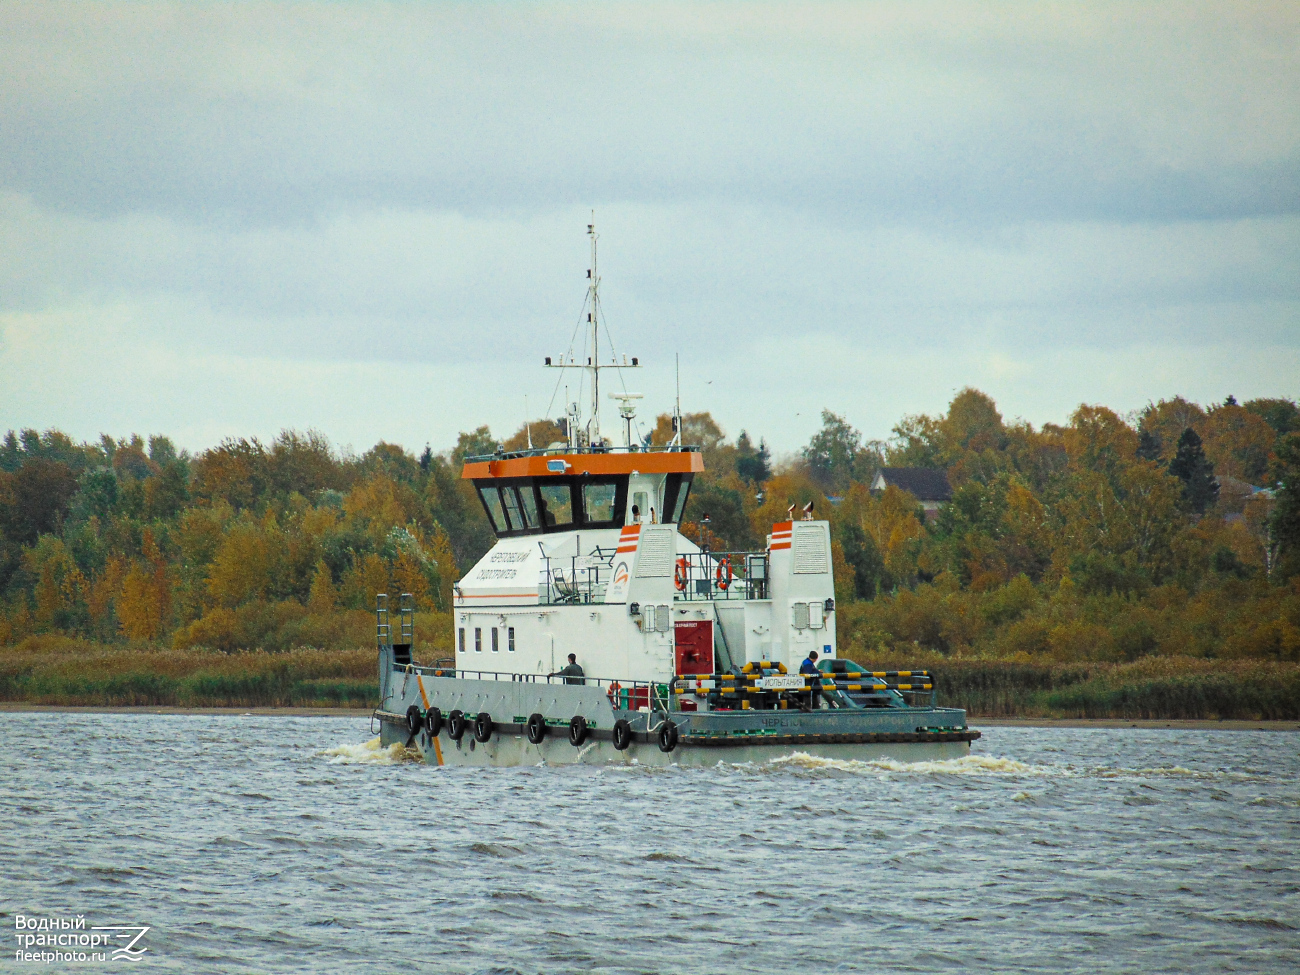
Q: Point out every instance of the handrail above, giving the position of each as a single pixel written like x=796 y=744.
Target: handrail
x=571 y=451
x=625 y=688
x=708 y=575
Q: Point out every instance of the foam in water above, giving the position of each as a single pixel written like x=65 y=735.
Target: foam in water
x=967 y=765
x=370 y=753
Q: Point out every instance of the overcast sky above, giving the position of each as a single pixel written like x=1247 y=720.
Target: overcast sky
x=370 y=219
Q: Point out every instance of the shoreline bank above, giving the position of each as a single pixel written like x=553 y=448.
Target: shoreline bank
x=1186 y=724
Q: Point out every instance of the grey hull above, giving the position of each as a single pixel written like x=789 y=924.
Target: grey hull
x=705 y=738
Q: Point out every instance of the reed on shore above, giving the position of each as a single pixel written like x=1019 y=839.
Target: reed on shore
x=60 y=670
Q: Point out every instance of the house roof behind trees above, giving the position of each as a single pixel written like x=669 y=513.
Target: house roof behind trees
x=923 y=483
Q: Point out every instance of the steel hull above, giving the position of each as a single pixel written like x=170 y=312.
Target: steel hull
x=705 y=738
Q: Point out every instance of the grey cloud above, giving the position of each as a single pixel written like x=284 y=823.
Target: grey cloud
x=479 y=111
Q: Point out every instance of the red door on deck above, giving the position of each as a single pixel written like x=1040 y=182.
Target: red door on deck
x=693 y=640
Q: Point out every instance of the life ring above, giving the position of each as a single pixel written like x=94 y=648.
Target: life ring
x=536 y=728
x=622 y=734
x=667 y=736
x=414 y=719
x=577 y=730
x=725 y=574
x=612 y=692
x=680 y=573
x=433 y=722
x=456 y=725
x=483 y=728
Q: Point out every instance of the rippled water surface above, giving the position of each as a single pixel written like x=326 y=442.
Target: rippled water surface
x=291 y=845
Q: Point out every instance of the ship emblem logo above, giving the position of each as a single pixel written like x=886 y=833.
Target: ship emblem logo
x=620 y=574
x=129 y=951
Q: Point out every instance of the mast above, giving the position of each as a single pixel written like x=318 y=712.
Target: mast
x=593 y=430
x=573 y=411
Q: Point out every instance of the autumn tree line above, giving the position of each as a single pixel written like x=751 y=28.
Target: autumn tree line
x=1174 y=532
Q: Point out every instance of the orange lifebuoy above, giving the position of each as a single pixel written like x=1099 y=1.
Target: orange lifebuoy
x=612 y=692
x=724 y=574
x=680 y=573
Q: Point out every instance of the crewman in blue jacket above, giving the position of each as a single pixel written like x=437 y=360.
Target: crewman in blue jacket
x=809 y=666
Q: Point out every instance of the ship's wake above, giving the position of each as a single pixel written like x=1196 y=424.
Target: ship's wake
x=371 y=753
x=987 y=765
x=966 y=765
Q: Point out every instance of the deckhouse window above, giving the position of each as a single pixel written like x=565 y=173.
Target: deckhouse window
x=598 y=501
x=529 y=505
x=492 y=502
x=557 y=504
x=511 y=502
x=676 y=491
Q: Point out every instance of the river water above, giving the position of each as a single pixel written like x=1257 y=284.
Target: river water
x=278 y=844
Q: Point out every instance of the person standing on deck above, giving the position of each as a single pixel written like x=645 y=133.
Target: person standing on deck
x=809 y=666
x=572 y=674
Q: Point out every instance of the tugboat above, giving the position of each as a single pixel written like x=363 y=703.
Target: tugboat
x=685 y=655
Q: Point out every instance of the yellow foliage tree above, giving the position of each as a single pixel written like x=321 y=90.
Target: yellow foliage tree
x=241 y=570
x=382 y=504
x=1098 y=440
x=139 y=605
x=890 y=521
x=409 y=577
x=448 y=574
x=1168 y=419
x=1238 y=443
x=367 y=576
x=323 y=598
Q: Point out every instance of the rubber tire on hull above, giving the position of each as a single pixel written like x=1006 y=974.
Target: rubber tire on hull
x=433 y=722
x=622 y=734
x=456 y=725
x=483 y=728
x=667 y=736
x=537 y=729
x=577 y=730
x=414 y=719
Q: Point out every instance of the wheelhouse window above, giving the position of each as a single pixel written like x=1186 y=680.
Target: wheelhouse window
x=510 y=639
x=557 y=504
x=676 y=491
x=492 y=502
x=528 y=505
x=598 y=502
x=510 y=501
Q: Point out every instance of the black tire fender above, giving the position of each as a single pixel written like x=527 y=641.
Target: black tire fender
x=667 y=736
x=622 y=734
x=536 y=728
x=433 y=722
x=483 y=728
x=577 y=730
x=414 y=719
x=456 y=725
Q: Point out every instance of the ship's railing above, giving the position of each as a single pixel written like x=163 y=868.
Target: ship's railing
x=721 y=575
x=627 y=695
x=602 y=449
x=766 y=685
x=575 y=579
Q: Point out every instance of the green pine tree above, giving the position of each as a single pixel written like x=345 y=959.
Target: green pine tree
x=1193 y=468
